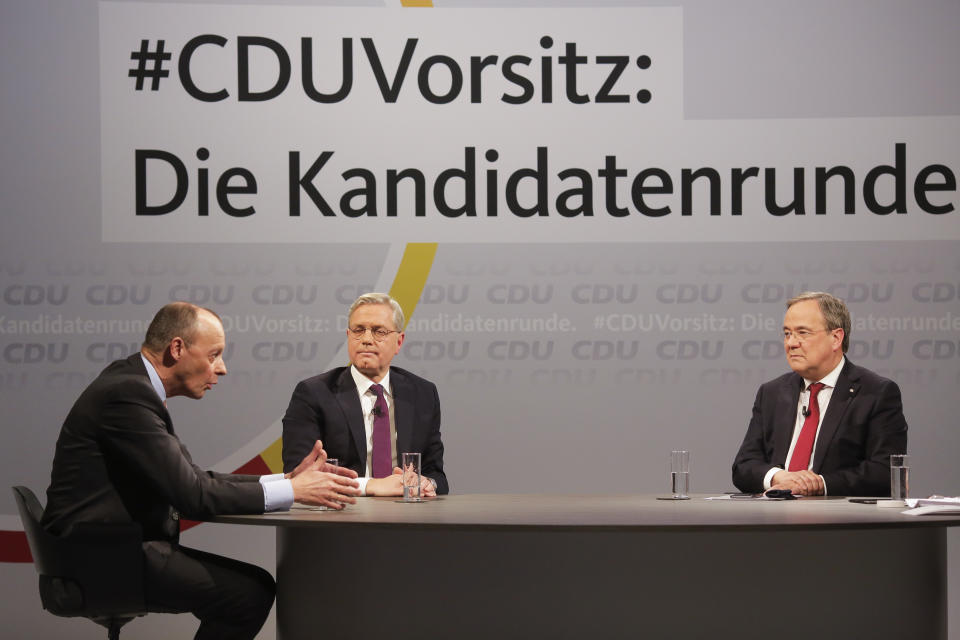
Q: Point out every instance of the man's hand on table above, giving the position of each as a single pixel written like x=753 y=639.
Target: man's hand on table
x=317 y=483
x=801 y=483
x=392 y=485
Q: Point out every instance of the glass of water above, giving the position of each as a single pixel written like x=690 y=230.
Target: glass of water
x=680 y=474
x=335 y=463
x=411 y=477
x=899 y=476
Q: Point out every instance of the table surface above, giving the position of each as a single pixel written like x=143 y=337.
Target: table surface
x=599 y=512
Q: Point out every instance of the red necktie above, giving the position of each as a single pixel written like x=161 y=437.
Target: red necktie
x=804 y=446
x=382 y=456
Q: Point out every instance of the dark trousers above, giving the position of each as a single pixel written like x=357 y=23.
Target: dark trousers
x=232 y=599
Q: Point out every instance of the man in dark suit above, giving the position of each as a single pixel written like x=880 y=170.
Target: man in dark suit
x=119 y=460
x=830 y=426
x=370 y=413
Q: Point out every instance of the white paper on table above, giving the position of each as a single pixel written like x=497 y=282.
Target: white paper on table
x=742 y=499
x=299 y=506
x=939 y=505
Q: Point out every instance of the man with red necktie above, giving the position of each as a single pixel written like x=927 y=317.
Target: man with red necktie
x=369 y=412
x=829 y=427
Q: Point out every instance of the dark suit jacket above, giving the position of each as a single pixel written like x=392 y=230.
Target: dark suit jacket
x=326 y=407
x=118 y=460
x=863 y=426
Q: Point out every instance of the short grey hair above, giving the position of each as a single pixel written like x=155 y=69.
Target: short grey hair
x=834 y=310
x=380 y=298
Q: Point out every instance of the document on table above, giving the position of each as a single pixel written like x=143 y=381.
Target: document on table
x=742 y=498
x=298 y=506
x=934 y=506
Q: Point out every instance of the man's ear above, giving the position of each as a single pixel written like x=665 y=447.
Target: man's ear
x=177 y=348
x=837 y=339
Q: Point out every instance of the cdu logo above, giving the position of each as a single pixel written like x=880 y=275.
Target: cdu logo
x=34 y=294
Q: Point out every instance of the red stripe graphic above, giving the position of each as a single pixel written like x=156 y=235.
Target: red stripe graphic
x=13 y=547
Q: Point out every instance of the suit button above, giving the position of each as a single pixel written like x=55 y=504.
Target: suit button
x=175 y=515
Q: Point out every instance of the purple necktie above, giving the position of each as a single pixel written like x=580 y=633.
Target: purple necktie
x=382 y=458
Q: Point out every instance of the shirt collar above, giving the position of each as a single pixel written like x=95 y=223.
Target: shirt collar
x=155 y=379
x=829 y=380
x=364 y=383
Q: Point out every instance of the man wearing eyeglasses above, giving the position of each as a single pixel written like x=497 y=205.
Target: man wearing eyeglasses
x=369 y=412
x=830 y=426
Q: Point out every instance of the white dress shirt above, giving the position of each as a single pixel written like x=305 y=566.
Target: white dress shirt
x=367 y=399
x=823 y=400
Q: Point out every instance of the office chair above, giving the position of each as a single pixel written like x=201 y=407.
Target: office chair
x=94 y=571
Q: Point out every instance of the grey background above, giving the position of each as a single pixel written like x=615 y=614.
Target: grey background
x=561 y=419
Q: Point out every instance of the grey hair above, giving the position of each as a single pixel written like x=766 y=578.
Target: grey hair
x=380 y=298
x=834 y=310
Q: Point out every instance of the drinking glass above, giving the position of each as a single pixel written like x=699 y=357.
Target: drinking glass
x=899 y=476
x=680 y=474
x=411 y=477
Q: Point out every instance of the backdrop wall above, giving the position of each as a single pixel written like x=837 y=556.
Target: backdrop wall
x=603 y=316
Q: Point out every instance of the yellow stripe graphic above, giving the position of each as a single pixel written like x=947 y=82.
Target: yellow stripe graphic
x=412 y=275
x=272 y=456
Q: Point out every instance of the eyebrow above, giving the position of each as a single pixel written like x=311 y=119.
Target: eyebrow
x=801 y=326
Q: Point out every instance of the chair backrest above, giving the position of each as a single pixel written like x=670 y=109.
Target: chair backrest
x=45 y=551
x=94 y=570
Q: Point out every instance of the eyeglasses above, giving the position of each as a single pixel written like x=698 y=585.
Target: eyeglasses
x=802 y=335
x=379 y=333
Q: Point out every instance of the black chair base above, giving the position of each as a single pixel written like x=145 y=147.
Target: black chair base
x=113 y=625
x=94 y=570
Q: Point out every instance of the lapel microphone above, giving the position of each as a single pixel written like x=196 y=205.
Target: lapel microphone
x=376 y=411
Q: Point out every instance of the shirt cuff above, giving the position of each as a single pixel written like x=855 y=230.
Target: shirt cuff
x=363 y=485
x=277 y=492
x=768 y=479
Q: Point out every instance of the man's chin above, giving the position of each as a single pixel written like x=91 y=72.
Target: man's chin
x=798 y=366
x=370 y=371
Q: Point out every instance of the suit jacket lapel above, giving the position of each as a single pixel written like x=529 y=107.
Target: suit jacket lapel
x=848 y=383
x=349 y=401
x=403 y=411
x=785 y=419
